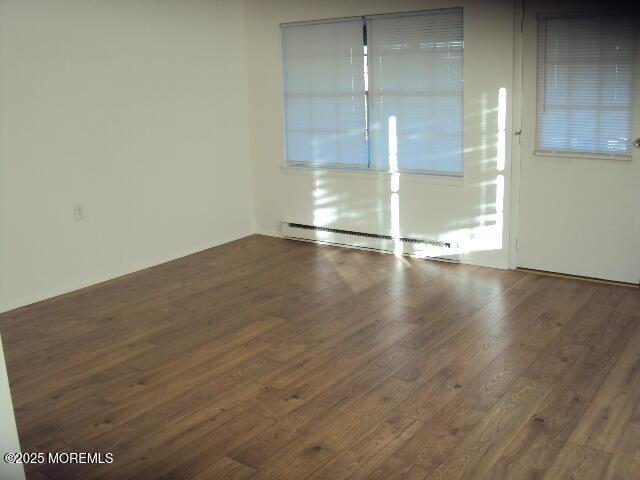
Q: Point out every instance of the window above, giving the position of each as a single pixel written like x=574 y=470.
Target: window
x=585 y=85
x=324 y=94
x=346 y=81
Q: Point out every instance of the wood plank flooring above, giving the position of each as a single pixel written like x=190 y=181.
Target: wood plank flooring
x=272 y=359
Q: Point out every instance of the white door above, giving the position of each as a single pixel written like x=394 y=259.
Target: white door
x=579 y=201
x=8 y=433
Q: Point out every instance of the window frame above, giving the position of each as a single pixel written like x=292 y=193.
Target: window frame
x=538 y=152
x=310 y=166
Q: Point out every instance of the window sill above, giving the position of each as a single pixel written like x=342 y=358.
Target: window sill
x=373 y=175
x=592 y=156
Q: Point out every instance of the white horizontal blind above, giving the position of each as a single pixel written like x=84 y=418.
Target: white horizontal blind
x=585 y=84
x=324 y=94
x=415 y=65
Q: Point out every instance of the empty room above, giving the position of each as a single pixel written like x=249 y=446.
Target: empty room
x=319 y=239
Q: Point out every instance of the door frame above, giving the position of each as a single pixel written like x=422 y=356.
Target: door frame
x=516 y=115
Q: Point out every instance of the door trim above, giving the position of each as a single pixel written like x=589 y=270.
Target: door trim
x=516 y=115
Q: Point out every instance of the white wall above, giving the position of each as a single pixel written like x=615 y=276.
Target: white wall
x=153 y=114
x=135 y=109
x=463 y=211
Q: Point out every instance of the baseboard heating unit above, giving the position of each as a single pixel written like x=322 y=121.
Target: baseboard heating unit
x=414 y=247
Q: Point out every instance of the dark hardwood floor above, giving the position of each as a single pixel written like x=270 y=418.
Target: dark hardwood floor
x=273 y=359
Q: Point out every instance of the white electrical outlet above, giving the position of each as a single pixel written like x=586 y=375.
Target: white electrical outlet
x=78 y=212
